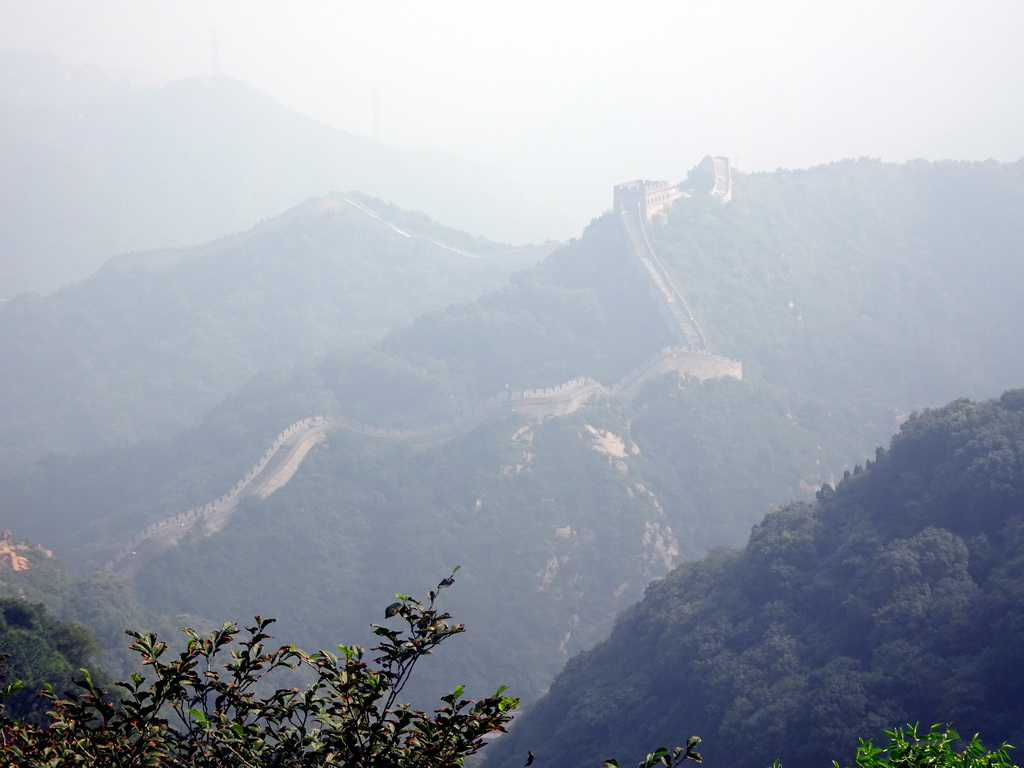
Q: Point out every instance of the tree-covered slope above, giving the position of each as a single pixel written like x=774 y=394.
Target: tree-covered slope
x=39 y=651
x=861 y=279
x=360 y=518
x=896 y=597
x=567 y=515
x=150 y=342
x=92 y=608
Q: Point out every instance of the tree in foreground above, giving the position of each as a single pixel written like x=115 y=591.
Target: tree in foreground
x=41 y=650
x=937 y=748
x=199 y=708
x=909 y=747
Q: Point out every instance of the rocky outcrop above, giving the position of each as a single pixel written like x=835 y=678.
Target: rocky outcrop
x=13 y=555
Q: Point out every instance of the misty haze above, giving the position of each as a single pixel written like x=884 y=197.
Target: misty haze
x=664 y=360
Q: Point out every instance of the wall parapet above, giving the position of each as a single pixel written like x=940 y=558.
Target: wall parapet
x=539 y=403
x=648 y=197
x=636 y=201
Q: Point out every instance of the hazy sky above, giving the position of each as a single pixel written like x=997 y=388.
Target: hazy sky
x=584 y=94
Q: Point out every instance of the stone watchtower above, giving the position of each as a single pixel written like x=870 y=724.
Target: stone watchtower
x=653 y=197
x=648 y=197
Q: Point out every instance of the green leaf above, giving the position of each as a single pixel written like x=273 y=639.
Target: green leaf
x=200 y=718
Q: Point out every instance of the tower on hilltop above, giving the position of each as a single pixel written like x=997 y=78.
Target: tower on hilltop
x=648 y=197
x=653 y=197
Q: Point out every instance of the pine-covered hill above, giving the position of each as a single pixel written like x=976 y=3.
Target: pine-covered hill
x=564 y=516
x=153 y=340
x=896 y=597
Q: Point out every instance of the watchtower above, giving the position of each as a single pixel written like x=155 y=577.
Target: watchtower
x=648 y=197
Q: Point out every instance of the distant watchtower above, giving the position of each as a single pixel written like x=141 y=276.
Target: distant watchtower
x=648 y=197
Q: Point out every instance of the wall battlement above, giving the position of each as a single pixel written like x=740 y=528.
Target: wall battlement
x=635 y=201
x=649 y=197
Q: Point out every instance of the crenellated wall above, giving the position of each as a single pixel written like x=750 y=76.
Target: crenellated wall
x=284 y=455
x=635 y=202
x=648 y=197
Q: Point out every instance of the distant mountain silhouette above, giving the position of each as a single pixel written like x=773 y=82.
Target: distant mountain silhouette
x=152 y=339
x=94 y=167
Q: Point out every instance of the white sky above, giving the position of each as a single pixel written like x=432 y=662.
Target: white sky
x=582 y=95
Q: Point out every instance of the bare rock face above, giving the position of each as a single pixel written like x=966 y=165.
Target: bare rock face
x=12 y=557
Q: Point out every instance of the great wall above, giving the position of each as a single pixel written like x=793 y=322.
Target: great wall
x=637 y=203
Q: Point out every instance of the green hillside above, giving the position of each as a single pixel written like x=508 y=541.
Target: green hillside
x=39 y=651
x=153 y=340
x=546 y=511
x=861 y=279
x=895 y=597
x=560 y=522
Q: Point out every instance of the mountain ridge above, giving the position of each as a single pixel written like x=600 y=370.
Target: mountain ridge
x=151 y=339
x=126 y=168
x=534 y=509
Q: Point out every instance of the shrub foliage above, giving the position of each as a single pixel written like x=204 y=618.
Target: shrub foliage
x=199 y=708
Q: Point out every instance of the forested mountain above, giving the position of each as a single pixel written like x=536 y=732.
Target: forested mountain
x=150 y=342
x=862 y=278
x=563 y=514
x=35 y=648
x=93 y=167
x=560 y=522
x=42 y=652
x=894 y=598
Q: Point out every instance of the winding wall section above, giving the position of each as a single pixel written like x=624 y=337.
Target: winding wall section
x=282 y=458
x=286 y=452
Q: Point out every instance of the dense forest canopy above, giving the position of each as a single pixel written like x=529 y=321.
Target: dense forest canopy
x=39 y=651
x=895 y=597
